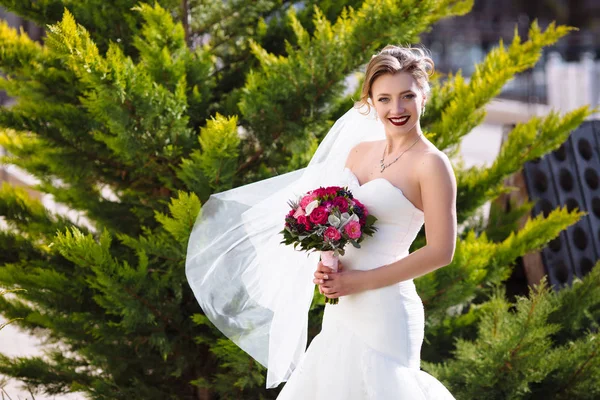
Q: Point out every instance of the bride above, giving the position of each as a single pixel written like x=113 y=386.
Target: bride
x=258 y=291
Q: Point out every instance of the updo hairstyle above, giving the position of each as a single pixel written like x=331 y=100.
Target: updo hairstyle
x=393 y=59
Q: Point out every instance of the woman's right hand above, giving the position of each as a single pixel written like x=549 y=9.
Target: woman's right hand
x=321 y=274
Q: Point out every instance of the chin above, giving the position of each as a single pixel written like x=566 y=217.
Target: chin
x=404 y=128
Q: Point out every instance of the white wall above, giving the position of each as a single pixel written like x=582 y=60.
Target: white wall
x=572 y=84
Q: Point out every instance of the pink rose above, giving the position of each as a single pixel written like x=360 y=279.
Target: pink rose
x=319 y=215
x=309 y=198
x=299 y=212
x=352 y=229
x=332 y=234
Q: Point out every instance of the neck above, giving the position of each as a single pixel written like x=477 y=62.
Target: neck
x=398 y=143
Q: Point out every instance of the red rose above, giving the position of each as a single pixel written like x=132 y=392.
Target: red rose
x=341 y=203
x=319 y=215
x=332 y=234
x=332 y=191
x=320 y=192
x=304 y=221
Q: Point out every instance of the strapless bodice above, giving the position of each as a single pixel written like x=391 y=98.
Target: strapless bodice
x=398 y=221
x=389 y=319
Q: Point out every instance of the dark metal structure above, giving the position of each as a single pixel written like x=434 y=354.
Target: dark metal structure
x=570 y=176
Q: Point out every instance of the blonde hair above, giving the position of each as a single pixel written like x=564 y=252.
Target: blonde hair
x=393 y=59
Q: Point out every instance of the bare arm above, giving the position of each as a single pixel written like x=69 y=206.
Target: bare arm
x=438 y=193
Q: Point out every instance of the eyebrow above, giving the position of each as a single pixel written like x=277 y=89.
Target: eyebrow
x=387 y=94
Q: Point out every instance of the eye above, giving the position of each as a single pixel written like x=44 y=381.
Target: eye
x=410 y=96
x=383 y=98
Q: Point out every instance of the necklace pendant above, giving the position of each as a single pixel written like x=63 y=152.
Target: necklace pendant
x=382 y=167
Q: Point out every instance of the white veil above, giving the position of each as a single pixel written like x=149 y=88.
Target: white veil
x=252 y=288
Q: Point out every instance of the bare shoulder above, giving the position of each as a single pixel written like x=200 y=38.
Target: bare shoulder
x=436 y=175
x=434 y=162
x=358 y=152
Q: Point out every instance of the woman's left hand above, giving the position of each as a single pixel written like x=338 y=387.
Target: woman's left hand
x=343 y=283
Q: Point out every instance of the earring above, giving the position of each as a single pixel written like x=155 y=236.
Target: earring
x=423 y=111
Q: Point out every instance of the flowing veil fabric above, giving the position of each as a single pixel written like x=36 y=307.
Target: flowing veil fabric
x=252 y=288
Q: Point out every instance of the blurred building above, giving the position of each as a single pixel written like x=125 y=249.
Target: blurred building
x=461 y=42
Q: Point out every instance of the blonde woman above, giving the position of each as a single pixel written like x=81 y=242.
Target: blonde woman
x=369 y=345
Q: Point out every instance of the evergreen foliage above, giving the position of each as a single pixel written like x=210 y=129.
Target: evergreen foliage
x=535 y=349
x=2 y=293
x=133 y=119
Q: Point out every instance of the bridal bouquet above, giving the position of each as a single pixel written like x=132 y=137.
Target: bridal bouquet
x=326 y=220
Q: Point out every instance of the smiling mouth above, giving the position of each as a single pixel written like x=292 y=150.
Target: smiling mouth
x=399 y=121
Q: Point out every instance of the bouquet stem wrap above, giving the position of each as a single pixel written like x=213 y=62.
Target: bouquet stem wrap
x=329 y=259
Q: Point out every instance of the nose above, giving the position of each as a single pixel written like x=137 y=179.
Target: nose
x=398 y=107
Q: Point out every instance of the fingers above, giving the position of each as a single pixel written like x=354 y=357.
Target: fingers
x=323 y=269
x=327 y=289
x=322 y=282
x=320 y=278
x=325 y=278
x=321 y=275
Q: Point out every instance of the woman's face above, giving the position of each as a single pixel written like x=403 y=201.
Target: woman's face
x=398 y=101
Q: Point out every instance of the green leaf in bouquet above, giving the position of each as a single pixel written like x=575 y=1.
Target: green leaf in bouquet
x=354 y=243
x=334 y=220
x=371 y=219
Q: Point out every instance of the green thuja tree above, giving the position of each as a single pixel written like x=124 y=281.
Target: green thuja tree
x=132 y=115
x=2 y=293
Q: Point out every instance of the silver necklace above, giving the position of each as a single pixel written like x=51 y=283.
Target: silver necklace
x=384 y=166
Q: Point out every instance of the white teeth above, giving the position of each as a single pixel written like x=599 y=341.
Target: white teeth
x=399 y=119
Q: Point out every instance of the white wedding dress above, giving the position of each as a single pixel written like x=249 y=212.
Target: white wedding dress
x=258 y=292
x=370 y=343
